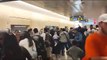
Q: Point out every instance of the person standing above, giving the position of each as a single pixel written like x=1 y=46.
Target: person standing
x=96 y=46
x=63 y=39
x=40 y=45
x=28 y=43
x=75 y=52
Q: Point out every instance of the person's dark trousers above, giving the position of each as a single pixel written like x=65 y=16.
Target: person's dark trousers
x=63 y=46
x=68 y=45
x=80 y=44
x=44 y=56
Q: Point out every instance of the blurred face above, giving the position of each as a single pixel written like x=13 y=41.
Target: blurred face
x=103 y=26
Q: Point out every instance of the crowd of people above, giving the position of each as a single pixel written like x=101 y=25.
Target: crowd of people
x=33 y=44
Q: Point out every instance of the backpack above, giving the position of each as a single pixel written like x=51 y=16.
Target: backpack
x=40 y=45
x=78 y=36
x=63 y=37
x=41 y=48
x=49 y=40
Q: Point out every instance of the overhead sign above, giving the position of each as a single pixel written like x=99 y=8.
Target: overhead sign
x=77 y=18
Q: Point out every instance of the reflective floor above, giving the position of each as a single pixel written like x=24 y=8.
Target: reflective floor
x=62 y=58
x=65 y=57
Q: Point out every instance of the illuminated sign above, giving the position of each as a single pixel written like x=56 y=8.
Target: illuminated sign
x=77 y=18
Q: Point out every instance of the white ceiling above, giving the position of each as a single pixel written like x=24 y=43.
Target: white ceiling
x=29 y=7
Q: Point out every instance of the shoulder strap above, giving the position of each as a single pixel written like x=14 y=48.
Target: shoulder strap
x=66 y=36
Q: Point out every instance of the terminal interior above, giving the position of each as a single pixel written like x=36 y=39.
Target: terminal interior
x=22 y=15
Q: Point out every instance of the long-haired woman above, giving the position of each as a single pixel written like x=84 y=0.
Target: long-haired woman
x=28 y=43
